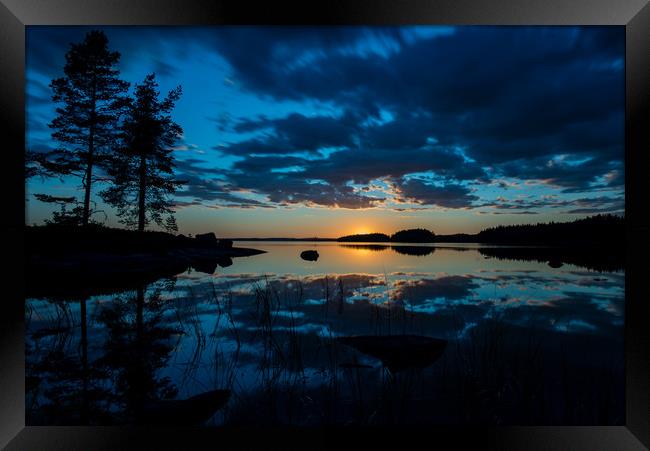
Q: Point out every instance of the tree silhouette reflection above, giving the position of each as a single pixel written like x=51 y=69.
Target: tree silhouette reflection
x=137 y=347
x=110 y=382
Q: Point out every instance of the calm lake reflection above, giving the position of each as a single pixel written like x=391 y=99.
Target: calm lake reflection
x=518 y=342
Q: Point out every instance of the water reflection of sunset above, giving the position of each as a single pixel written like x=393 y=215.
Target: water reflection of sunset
x=360 y=252
x=449 y=293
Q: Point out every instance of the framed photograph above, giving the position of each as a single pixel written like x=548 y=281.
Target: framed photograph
x=306 y=226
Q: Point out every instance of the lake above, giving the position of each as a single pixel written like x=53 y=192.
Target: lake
x=519 y=339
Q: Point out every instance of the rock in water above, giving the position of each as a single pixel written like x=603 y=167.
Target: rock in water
x=555 y=264
x=184 y=412
x=206 y=238
x=225 y=243
x=309 y=255
x=399 y=352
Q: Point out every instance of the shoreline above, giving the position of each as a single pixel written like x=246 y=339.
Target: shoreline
x=75 y=263
x=83 y=274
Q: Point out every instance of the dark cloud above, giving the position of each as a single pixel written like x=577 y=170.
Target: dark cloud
x=525 y=212
x=279 y=61
x=325 y=181
x=268 y=144
x=208 y=185
x=366 y=164
x=571 y=176
x=256 y=176
x=46 y=45
x=449 y=195
x=293 y=188
x=266 y=164
x=297 y=132
x=163 y=68
x=468 y=107
x=210 y=190
x=196 y=166
x=510 y=97
x=512 y=206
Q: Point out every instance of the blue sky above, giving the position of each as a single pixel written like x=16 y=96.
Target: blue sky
x=324 y=131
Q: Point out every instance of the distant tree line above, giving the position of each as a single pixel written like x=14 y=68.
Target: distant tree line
x=598 y=229
x=602 y=228
x=105 y=134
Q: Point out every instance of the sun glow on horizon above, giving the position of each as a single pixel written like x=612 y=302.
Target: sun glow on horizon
x=300 y=144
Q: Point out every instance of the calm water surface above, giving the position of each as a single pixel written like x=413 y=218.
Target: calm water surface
x=526 y=343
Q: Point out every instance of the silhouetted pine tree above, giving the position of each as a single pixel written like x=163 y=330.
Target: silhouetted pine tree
x=142 y=168
x=33 y=166
x=86 y=126
x=64 y=216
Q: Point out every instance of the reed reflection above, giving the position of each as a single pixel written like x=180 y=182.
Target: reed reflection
x=251 y=346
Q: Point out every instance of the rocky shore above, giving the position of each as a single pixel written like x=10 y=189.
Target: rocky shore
x=64 y=263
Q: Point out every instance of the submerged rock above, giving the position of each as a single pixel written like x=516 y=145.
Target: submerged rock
x=184 y=412
x=555 y=264
x=399 y=352
x=309 y=255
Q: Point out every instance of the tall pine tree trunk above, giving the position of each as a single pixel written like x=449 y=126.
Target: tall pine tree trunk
x=91 y=150
x=142 y=193
x=89 y=174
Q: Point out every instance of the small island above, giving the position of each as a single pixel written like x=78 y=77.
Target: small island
x=403 y=236
x=413 y=236
x=366 y=238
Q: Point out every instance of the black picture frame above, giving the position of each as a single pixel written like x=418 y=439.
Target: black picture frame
x=634 y=15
